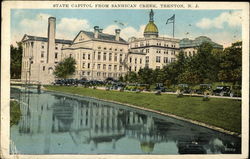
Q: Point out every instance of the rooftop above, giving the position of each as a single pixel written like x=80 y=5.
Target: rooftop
x=37 y=38
x=187 y=43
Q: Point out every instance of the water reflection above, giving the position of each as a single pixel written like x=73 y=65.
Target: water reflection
x=54 y=124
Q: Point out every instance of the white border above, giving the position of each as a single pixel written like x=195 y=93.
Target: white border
x=5 y=74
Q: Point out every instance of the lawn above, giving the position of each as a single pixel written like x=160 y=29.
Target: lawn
x=223 y=113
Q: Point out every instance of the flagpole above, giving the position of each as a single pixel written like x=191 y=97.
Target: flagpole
x=173 y=27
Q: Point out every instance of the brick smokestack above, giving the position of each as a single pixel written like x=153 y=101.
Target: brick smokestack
x=117 y=34
x=51 y=39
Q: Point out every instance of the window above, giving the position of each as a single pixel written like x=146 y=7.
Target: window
x=98 y=66
x=42 y=46
x=130 y=59
x=70 y=55
x=105 y=48
x=158 y=59
x=99 y=56
x=121 y=50
x=147 y=50
x=83 y=56
x=116 y=49
x=99 y=47
x=88 y=56
x=166 y=52
x=172 y=59
x=109 y=74
x=140 y=60
x=165 y=59
x=56 y=48
x=98 y=73
x=135 y=68
x=120 y=57
x=83 y=72
x=110 y=67
x=110 y=56
x=147 y=43
x=104 y=66
x=88 y=65
x=104 y=56
x=83 y=65
x=88 y=73
x=104 y=74
x=129 y=68
x=42 y=54
x=43 y=68
x=56 y=54
x=147 y=59
x=115 y=56
x=115 y=67
x=158 y=67
x=120 y=68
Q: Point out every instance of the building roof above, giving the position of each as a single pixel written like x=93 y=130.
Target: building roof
x=188 y=43
x=103 y=36
x=151 y=28
x=37 y=38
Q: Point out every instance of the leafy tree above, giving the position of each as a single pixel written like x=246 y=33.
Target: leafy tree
x=145 y=75
x=131 y=77
x=65 y=68
x=16 y=61
x=231 y=64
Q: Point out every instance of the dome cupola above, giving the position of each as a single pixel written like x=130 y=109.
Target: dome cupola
x=151 y=29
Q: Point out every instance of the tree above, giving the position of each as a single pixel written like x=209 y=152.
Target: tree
x=145 y=75
x=16 y=61
x=231 y=64
x=65 y=68
x=131 y=77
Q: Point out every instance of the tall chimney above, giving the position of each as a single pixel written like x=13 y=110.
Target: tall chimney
x=96 y=31
x=117 y=34
x=51 y=39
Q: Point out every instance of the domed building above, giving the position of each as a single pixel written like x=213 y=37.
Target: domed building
x=152 y=50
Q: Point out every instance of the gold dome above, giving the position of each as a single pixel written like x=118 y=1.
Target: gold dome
x=151 y=28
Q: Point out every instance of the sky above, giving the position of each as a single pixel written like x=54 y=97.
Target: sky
x=222 y=26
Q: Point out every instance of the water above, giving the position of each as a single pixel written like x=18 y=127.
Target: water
x=62 y=124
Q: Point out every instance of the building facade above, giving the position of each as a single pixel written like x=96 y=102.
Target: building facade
x=99 y=55
x=151 y=51
x=190 y=47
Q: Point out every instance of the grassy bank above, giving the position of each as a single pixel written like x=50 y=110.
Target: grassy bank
x=15 y=112
x=224 y=113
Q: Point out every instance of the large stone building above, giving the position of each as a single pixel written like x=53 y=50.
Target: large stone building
x=99 y=55
x=151 y=51
x=190 y=47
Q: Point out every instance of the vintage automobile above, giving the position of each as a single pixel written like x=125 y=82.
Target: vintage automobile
x=236 y=91
x=222 y=91
x=205 y=89
x=184 y=88
x=160 y=87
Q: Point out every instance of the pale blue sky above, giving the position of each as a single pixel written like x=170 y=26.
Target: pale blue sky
x=222 y=26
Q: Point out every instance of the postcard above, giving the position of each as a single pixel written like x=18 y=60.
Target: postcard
x=123 y=79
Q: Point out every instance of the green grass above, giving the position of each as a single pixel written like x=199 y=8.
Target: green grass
x=15 y=112
x=224 y=113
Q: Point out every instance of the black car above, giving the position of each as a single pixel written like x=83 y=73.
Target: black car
x=222 y=91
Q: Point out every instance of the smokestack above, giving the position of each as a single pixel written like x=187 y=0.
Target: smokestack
x=51 y=39
x=117 y=34
x=96 y=31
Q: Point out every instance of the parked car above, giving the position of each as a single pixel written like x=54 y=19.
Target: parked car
x=184 y=88
x=160 y=87
x=205 y=89
x=236 y=91
x=222 y=91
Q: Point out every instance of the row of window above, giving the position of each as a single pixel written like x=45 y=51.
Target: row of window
x=105 y=48
x=165 y=59
x=142 y=43
x=104 y=56
x=43 y=53
x=189 y=53
x=103 y=66
x=103 y=74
